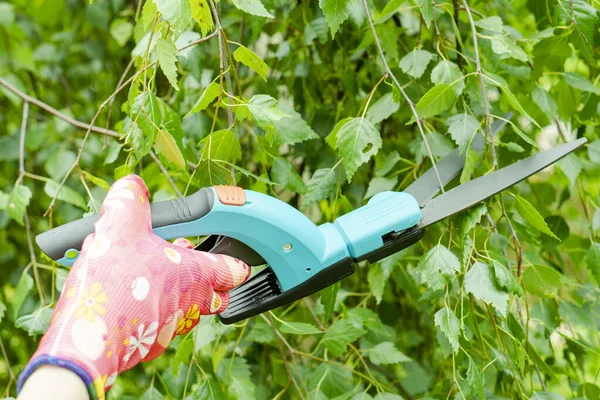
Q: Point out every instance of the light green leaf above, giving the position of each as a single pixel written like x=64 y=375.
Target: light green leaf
x=505 y=46
x=148 y=13
x=293 y=129
x=2 y=311
x=571 y=165
x=208 y=96
x=201 y=13
x=462 y=128
x=545 y=102
x=165 y=144
x=209 y=390
x=7 y=14
x=546 y=396
x=357 y=141
x=382 y=109
x=299 y=328
x=506 y=279
x=121 y=30
x=438 y=267
x=240 y=383
x=66 y=194
x=36 y=323
x=339 y=335
x=331 y=139
x=380 y=184
x=532 y=216
x=512 y=100
x=449 y=326
x=260 y=332
x=480 y=282
x=285 y=174
x=58 y=163
x=22 y=289
x=471 y=161
x=426 y=11
x=146 y=111
x=175 y=12
x=449 y=73
x=493 y=24
x=415 y=63
x=592 y=260
x=542 y=281
x=385 y=353
x=475 y=381
x=96 y=181
x=165 y=50
x=332 y=381
x=221 y=145
x=152 y=394
x=18 y=200
x=580 y=82
x=322 y=185
x=211 y=173
x=472 y=218
x=523 y=135
x=512 y=146
x=254 y=7
x=438 y=99
x=264 y=112
x=593 y=150
x=336 y=12
x=252 y=61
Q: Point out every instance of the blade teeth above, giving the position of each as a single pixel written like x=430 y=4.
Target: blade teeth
x=256 y=290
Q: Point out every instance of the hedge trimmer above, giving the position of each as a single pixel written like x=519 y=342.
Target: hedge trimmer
x=303 y=258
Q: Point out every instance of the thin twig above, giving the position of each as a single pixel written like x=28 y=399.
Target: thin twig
x=459 y=59
x=10 y=371
x=204 y=39
x=123 y=75
x=57 y=113
x=406 y=98
x=165 y=173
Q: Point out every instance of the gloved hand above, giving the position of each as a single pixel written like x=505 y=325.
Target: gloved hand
x=129 y=293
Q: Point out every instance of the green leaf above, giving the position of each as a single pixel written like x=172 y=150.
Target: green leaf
x=18 y=200
x=254 y=7
x=357 y=141
x=592 y=260
x=552 y=52
x=480 y=282
x=96 y=181
x=426 y=11
x=58 y=163
x=175 y=12
x=7 y=14
x=532 y=216
x=293 y=128
x=66 y=194
x=462 y=128
x=339 y=335
x=166 y=146
x=493 y=24
x=512 y=146
x=285 y=174
x=165 y=51
x=505 y=46
x=415 y=63
x=22 y=289
x=380 y=184
x=201 y=13
x=322 y=185
x=121 y=30
x=438 y=99
x=593 y=149
x=264 y=112
x=209 y=390
x=239 y=382
x=471 y=161
x=542 y=281
x=329 y=297
x=148 y=13
x=545 y=102
x=146 y=111
x=336 y=12
x=252 y=61
x=382 y=109
x=475 y=381
x=438 y=267
x=36 y=323
x=385 y=353
x=2 y=311
x=152 y=394
x=210 y=93
x=580 y=82
x=211 y=173
x=472 y=218
x=571 y=165
x=261 y=332
x=221 y=145
x=449 y=326
x=506 y=279
x=449 y=73
x=546 y=396
x=512 y=100
x=523 y=135
x=331 y=380
x=299 y=328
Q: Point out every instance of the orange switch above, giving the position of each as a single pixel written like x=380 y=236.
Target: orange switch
x=231 y=195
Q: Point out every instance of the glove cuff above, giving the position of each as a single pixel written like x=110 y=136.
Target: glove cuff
x=95 y=388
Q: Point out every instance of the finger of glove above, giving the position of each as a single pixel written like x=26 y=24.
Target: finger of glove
x=225 y=272
x=183 y=242
x=126 y=209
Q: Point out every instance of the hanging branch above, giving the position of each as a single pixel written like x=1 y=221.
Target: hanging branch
x=406 y=98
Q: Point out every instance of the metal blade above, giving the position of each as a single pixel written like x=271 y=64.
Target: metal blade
x=473 y=192
x=427 y=186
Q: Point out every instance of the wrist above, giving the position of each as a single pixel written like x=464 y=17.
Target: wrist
x=53 y=382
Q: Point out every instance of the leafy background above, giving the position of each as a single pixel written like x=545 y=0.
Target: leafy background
x=322 y=104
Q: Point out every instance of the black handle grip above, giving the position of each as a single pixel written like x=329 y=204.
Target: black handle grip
x=57 y=241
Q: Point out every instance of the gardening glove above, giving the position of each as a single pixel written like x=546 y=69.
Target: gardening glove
x=129 y=293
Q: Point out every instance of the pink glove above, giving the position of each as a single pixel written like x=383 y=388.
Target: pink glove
x=129 y=293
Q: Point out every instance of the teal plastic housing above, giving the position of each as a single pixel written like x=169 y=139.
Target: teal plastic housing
x=293 y=246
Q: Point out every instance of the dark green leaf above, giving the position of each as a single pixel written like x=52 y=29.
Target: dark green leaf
x=284 y=173
x=357 y=141
x=541 y=280
x=336 y=12
x=339 y=335
x=531 y=215
x=299 y=328
x=438 y=99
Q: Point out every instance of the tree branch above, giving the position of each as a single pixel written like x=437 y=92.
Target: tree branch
x=406 y=98
x=165 y=173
